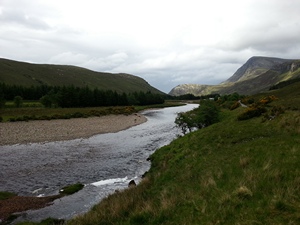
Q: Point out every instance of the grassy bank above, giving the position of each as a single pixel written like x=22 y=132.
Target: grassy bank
x=40 y=113
x=232 y=172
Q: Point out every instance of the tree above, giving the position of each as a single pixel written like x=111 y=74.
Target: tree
x=2 y=100
x=185 y=121
x=205 y=115
x=18 y=101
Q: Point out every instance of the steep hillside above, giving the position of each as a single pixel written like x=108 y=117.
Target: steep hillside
x=256 y=75
x=254 y=67
x=27 y=74
x=279 y=72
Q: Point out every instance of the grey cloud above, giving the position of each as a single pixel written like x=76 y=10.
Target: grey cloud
x=19 y=17
x=40 y=31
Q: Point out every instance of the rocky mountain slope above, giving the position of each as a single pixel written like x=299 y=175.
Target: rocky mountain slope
x=28 y=74
x=256 y=75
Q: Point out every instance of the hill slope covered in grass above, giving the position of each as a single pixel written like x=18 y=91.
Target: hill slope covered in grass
x=232 y=172
x=27 y=74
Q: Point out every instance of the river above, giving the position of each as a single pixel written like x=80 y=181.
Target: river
x=104 y=163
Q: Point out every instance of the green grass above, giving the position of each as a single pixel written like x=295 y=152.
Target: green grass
x=6 y=195
x=26 y=104
x=41 y=113
x=232 y=172
x=36 y=113
x=71 y=189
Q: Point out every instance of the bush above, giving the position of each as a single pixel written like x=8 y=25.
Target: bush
x=5 y=195
x=251 y=112
x=71 y=189
x=18 y=101
x=205 y=115
x=2 y=102
x=274 y=112
x=185 y=121
x=259 y=108
x=12 y=119
x=208 y=114
x=77 y=115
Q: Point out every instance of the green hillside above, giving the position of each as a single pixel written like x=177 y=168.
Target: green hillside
x=232 y=172
x=27 y=74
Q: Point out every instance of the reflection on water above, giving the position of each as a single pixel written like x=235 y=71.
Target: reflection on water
x=103 y=163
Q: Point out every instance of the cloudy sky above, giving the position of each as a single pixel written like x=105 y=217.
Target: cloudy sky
x=166 y=42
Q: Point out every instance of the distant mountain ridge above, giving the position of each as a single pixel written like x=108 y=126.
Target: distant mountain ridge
x=28 y=74
x=255 y=66
x=256 y=75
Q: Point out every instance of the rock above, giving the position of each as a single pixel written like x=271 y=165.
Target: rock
x=131 y=184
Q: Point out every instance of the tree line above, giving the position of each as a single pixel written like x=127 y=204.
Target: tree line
x=71 y=96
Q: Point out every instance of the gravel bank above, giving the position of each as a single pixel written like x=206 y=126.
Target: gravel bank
x=58 y=130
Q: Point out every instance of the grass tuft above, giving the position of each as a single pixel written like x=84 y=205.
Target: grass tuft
x=243 y=193
x=71 y=189
x=6 y=195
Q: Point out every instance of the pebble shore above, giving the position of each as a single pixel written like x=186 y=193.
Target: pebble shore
x=58 y=130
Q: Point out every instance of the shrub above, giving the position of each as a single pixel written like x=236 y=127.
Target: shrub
x=57 y=117
x=5 y=195
x=259 y=108
x=71 y=189
x=185 y=121
x=208 y=114
x=274 y=112
x=44 y=117
x=12 y=119
x=234 y=105
x=67 y=116
x=1 y=119
x=77 y=115
x=251 y=112
x=268 y=99
x=18 y=101
x=2 y=101
x=205 y=115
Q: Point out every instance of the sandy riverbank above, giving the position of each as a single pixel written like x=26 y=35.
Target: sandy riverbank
x=58 y=130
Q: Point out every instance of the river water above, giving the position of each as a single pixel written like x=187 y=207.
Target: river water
x=104 y=163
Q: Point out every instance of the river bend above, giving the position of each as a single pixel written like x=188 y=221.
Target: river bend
x=103 y=162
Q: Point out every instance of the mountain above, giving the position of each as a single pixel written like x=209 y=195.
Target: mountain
x=28 y=74
x=254 y=67
x=195 y=89
x=256 y=75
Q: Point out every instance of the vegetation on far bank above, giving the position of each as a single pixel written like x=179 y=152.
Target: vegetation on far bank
x=33 y=111
x=21 y=103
